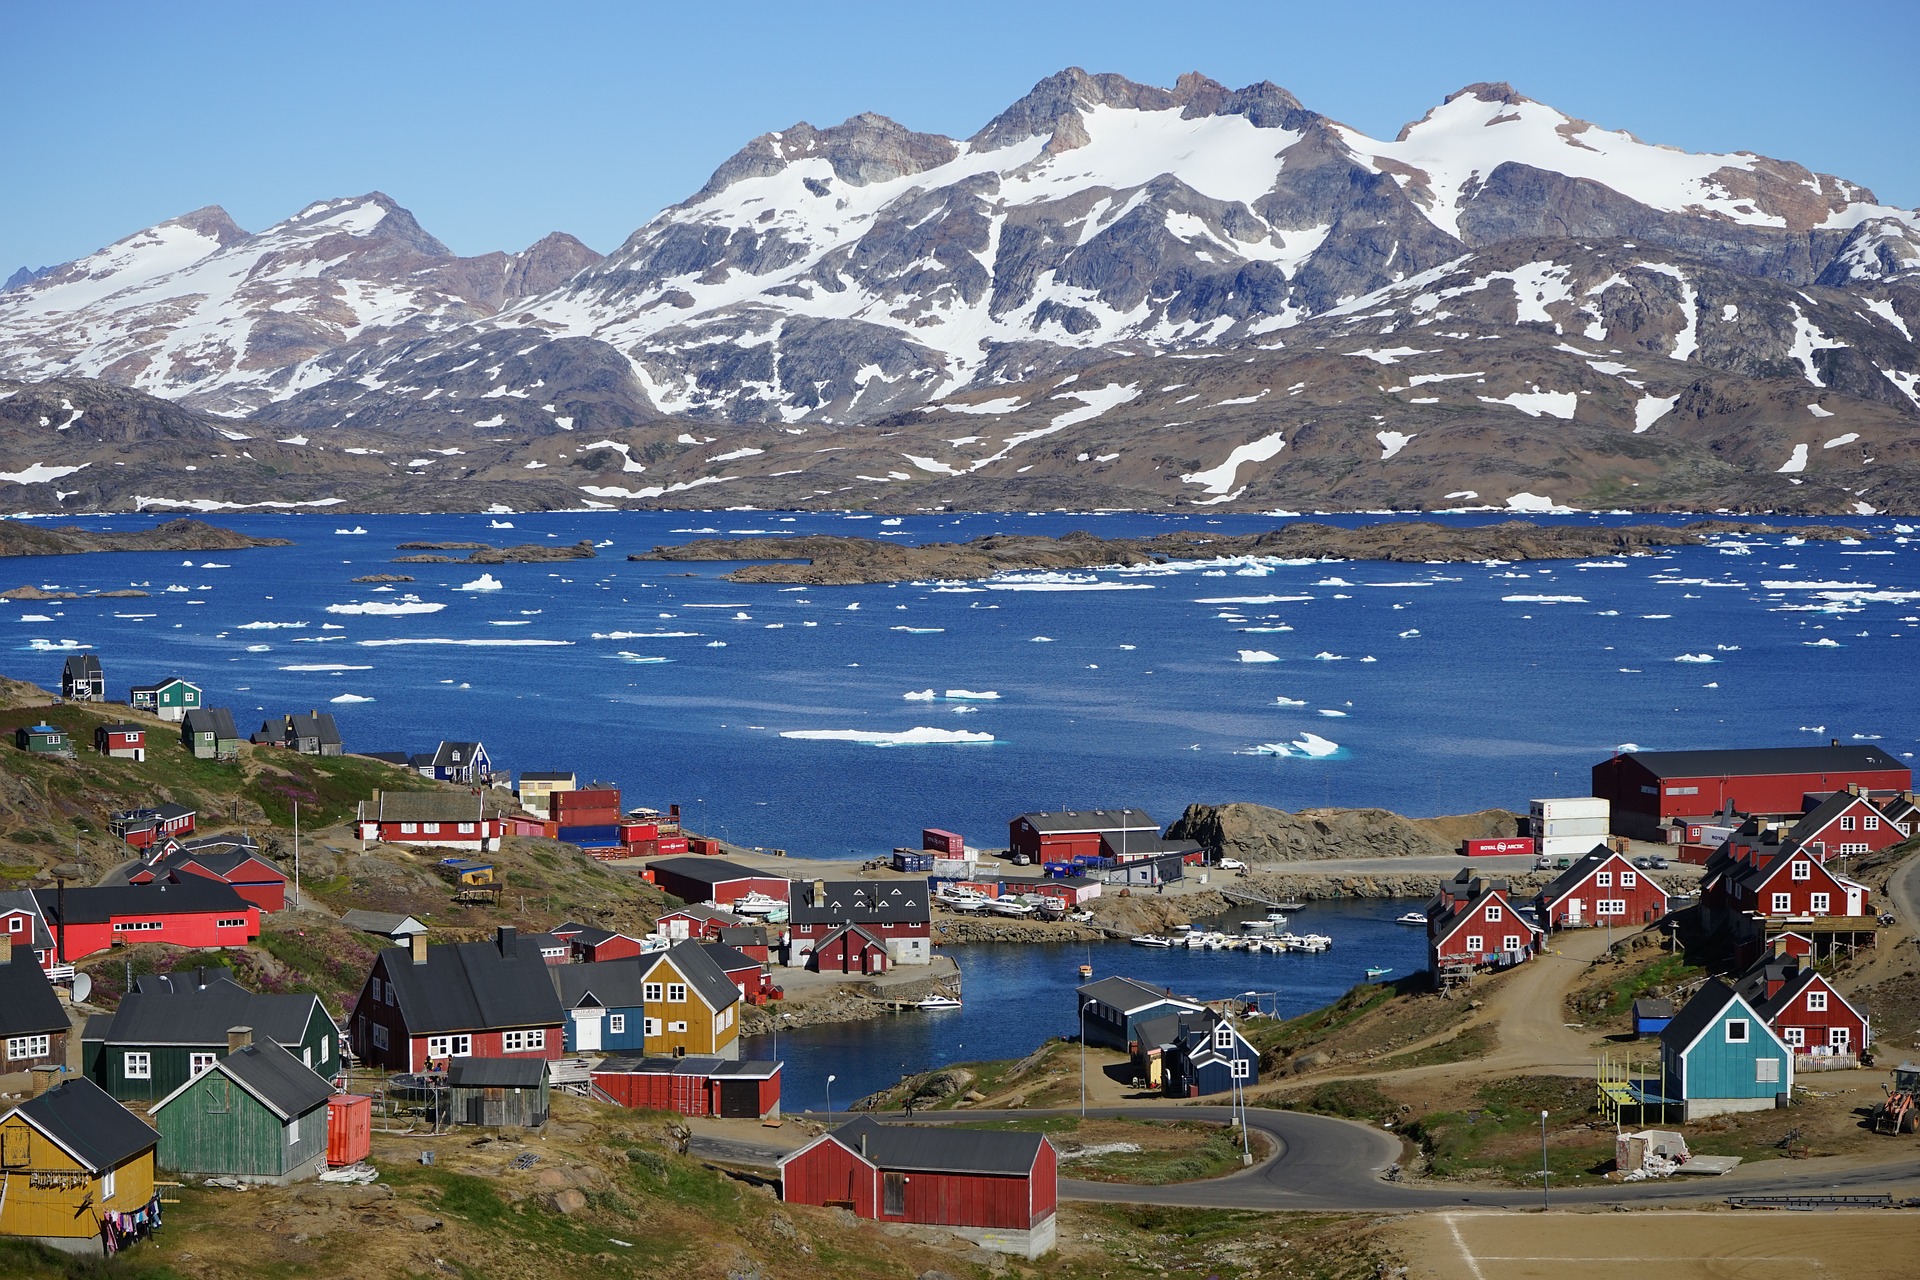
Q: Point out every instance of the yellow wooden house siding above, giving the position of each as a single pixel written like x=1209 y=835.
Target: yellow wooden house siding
x=708 y=1030
x=69 y=1200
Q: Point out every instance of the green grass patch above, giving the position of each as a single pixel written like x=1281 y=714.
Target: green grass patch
x=1350 y=1099
x=1210 y=1151
x=1474 y=1042
x=1297 y=1033
x=20 y=1260
x=477 y=1201
x=1615 y=998
x=327 y=788
x=1500 y=1136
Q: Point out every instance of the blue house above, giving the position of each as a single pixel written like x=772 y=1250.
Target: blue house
x=1719 y=1056
x=1186 y=1055
x=460 y=762
x=1112 y=1009
x=603 y=1004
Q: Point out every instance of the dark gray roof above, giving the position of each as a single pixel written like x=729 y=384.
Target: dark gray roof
x=940 y=1148
x=28 y=1005
x=702 y=974
x=744 y=935
x=428 y=806
x=318 y=724
x=1059 y=820
x=1649 y=1007
x=1749 y=761
x=1825 y=812
x=1126 y=994
x=728 y=958
x=697 y=911
x=1139 y=843
x=1696 y=1015
x=588 y=935
x=629 y=1064
x=708 y=871
x=614 y=984
x=496 y=1073
x=386 y=923
x=473 y=986
x=81 y=666
x=97 y=904
x=860 y=902
x=285 y=1084
x=23 y=900
x=175 y=1009
x=386 y=757
x=89 y=1123
x=531 y=775
x=1583 y=866
x=217 y=721
x=443 y=755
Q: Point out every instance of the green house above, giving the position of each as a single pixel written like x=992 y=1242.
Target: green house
x=175 y=1026
x=43 y=740
x=171 y=699
x=1718 y=1055
x=209 y=733
x=256 y=1115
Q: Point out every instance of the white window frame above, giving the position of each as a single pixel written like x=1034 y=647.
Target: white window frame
x=1629 y=879
x=1492 y=915
x=1511 y=942
x=1802 y=869
x=1603 y=879
x=1816 y=1002
x=1223 y=1036
x=1744 y=1028
x=231 y=922
x=380 y=1040
x=1854 y=848
x=1476 y=944
x=376 y=991
x=109 y=1185
x=1796 y=1037
x=652 y=1027
x=1819 y=903
x=409 y=828
x=1840 y=1038
x=523 y=1041
x=653 y=992
x=617 y=1023
x=680 y=1027
x=1241 y=1069
x=1869 y=823
x=136 y=1066
x=1610 y=907
x=1766 y=1070
x=200 y=1063
x=450 y=1046
x=23 y=1047
x=1846 y=822
x=1782 y=904
x=676 y=993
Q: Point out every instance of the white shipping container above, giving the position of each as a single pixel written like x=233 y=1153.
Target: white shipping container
x=1568 y=827
x=1567 y=846
x=1573 y=807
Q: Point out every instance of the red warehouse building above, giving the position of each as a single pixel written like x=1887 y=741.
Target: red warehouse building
x=1651 y=791
x=426 y=1005
x=1473 y=922
x=1820 y=1025
x=237 y=866
x=693 y=1086
x=715 y=880
x=999 y=1189
x=1600 y=889
x=196 y=913
x=1069 y=833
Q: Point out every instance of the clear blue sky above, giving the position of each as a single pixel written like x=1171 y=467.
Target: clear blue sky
x=498 y=122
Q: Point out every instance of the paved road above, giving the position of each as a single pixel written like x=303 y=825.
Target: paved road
x=1324 y=1164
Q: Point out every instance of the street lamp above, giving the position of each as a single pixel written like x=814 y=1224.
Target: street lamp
x=1083 y=1058
x=831 y=1079
x=1545 y=1174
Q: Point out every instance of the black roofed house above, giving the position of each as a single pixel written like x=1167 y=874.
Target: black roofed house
x=429 y=1005
x=81 y=679
x=1113 y=1009
x=43 y=739
x=895 y=912
x=174 y=1026
x=255 y=1114
x=461 y=762
x=1600 y=888
x=312 y=734
x=604 y=1004
x=699 y=879
x=439 y=819
x=209 y=733
x=171 y=699
x=121 y=741
x=1187 y=1054
x=197 y=912
x=499 y=1092
x=1069 y=833
x=74 y=1162
x=996 y=1188
x=146 y=826
x=33 y=1022
x=1474 y=923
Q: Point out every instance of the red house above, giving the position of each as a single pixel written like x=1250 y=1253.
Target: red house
x=127 y=741
x=998 y=1189
x=590 y=945
x=696 y=922
x=24 y=927
x=143 y=827
x=1845 y=824
x=234 y=864
x=1651 y=790
x=895 y=913
x=197 y=913
x=425 y=1005
x=1820 y=1025
x=1473 y=922
x=1069 y=833
x=849 y=948
x=715 y=880
x=1793 y=884
x=693 y=1086
x=1600 y=889
x=436 y=819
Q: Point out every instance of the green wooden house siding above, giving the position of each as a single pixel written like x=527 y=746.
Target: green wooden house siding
x=169 y=1065
x=217 y=1127
x=179 y=694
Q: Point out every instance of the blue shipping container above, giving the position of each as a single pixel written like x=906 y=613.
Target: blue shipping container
x=591 y=837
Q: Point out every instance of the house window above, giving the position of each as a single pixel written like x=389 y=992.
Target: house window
x=409 y=828
x=1766 y=1071
x=1610 y=907
x=326 y=1047
x=137 y=1066
x=293 y=1135
x=1816 y=1002
x=1859 y=847
x=1242 y=1068
x=676 y=993
x=616 y=1023
x=20 y=1047
x=650 y=992
x=376 y=991
x=1628 y=879
x=198 y=1062
x=1493 y=914
x=1802 y=869
x=676 y=1026
x=449 y=1046
x=1846 y=823
x=1782 y=903
x=466 y=828
x=430 y=828
x=1839 y=1037
x=1796 y=1037
x=651 y=1027
x=1869 y=824
x=379 y=1036
x=1510 y=943
x=1223 y=1036
x=306 y=1057
x=523 y=1041
x=1820 y=903
x=16 y=924
x=1475 y=944
x=1603 y=879
x=1736 y=1030
x=231 y=922
x=109 y=1183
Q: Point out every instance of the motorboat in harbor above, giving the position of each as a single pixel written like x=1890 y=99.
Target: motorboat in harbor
x=1278 y=916
x=1008 y=907
x=1416 y=919
x=755 y=904
x=962 y=899
x=1152 y=940
x=1256 y=927
x=1378 y=971
x=938 y=1000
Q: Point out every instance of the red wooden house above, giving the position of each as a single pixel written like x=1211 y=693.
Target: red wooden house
x=694 y=921
x=1792 y=884
x=25 y=928
x=425 y=1005
x=239 y=866
x=436 y=819
x=849 y=948
x=1844 y=824
x=998 y=1189
x=1474 y=922
x=1808 y=1012
x=1601 y=888
x=143 y=827
x=894 y=913
x=1061 y=836
x=126 y=741
x=197 y=913
x=693 y=1086
x=590 y=945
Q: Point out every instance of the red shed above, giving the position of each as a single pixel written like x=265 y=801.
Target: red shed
x=349 y=1128
x=850 y=949
x=946 y=842
x=715 y=880
x=1061 y=836
x=996 y=1188
x=693 y=1086
x=1650 y=789
x=1601 y=888
x=591 y=945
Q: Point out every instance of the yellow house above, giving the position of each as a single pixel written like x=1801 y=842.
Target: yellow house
x=536 y=790
x=692 y=1007
x=76 y=1169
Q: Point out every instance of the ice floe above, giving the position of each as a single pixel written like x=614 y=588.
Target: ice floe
x=326 y=666
x=1257 y=655
x=920 y=736
x=350 y=697
x=485 y=582
x=1308 y=746
x=477 y=644
x=389 y=608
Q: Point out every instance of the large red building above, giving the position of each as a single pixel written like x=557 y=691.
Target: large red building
x=696 y=879
x=234 y=863
x=1062 y=835
x=999 y=1189
x=197 y=913
x=1651 y=791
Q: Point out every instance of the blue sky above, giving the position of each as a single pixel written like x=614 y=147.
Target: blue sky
x=498 y=122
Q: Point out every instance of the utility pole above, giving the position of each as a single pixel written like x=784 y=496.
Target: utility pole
x=1545 y=1174
x=296 y=855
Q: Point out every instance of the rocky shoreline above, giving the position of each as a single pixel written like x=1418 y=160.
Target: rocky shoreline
x=487 y=553
x=837 y=560
x=20 y=539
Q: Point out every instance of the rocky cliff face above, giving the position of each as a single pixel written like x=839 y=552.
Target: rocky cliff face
x=1255 y=834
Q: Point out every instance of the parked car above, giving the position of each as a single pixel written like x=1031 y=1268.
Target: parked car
x=1561 y=864
x=1232 y=864
x=1656 y=862
x=1543 y=863
x=1644 y=863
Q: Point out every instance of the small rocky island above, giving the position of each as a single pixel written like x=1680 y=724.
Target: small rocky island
x=486 y=553
x=19 y=539
x=836 y=560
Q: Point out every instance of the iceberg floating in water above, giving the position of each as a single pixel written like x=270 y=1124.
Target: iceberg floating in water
x=921 y=736
x=1544 y=599
x=355 y=529
x=499 y=524
x=326 y=666
x=969 y=695
x=1308 y=746
x=923 y=695
x=1324 y=656
x=1696 y=657
x=350 y=697
x=389 y=608
x=919 y=631
x=1289 y=702
x=270 y=626
x=1824 y=642
x=1329 y=711
x=478 y=644
x=485 y=582
x=1257 y=655
x=625 y=656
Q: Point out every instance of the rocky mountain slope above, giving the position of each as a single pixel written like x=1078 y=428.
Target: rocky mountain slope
x=1110 y=295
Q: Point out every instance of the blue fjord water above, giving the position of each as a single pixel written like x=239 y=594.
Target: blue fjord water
x=1420 y=688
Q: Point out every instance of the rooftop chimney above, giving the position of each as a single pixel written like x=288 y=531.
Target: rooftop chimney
x=819 y=892
x=239 y=1038
x=6 y=948
x=418 y=944
x=504 y=937
x=1833 y=742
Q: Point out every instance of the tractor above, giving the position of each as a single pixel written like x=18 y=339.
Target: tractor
x=1898 y=1113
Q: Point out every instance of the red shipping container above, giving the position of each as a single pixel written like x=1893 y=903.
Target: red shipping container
x=943 y=841
x=349 y=1128
x=635 y=832
x=1495 y=847
x=704 y=847
x=570 y=808
x=666 y=846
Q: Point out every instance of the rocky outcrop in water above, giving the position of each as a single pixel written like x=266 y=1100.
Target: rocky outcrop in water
x=18 y=539
x=1256 y=834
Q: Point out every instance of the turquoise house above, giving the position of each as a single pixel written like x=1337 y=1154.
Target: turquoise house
x=1720 y=1056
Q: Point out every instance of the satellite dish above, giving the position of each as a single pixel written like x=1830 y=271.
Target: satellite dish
x=82 y=987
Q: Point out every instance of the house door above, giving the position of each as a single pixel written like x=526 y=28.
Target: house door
x=1573 y=911
x=586 y=1029
x=1853 y=901
x=895 y=1193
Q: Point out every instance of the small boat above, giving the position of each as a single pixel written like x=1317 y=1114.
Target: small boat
x=1279 y=915
x=1183 y=928
x=1256 y=926
x=1290 y=906
x=1310 y=943
x=937 y=1001
x=1192 y=941
x=1152 y=940
x=756 y=904
x=1378 y=971
x=1086 y=971
x=1009 y=907
x=1415 y=918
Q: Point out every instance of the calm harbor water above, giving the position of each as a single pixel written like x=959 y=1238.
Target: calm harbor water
x=1017 y=996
